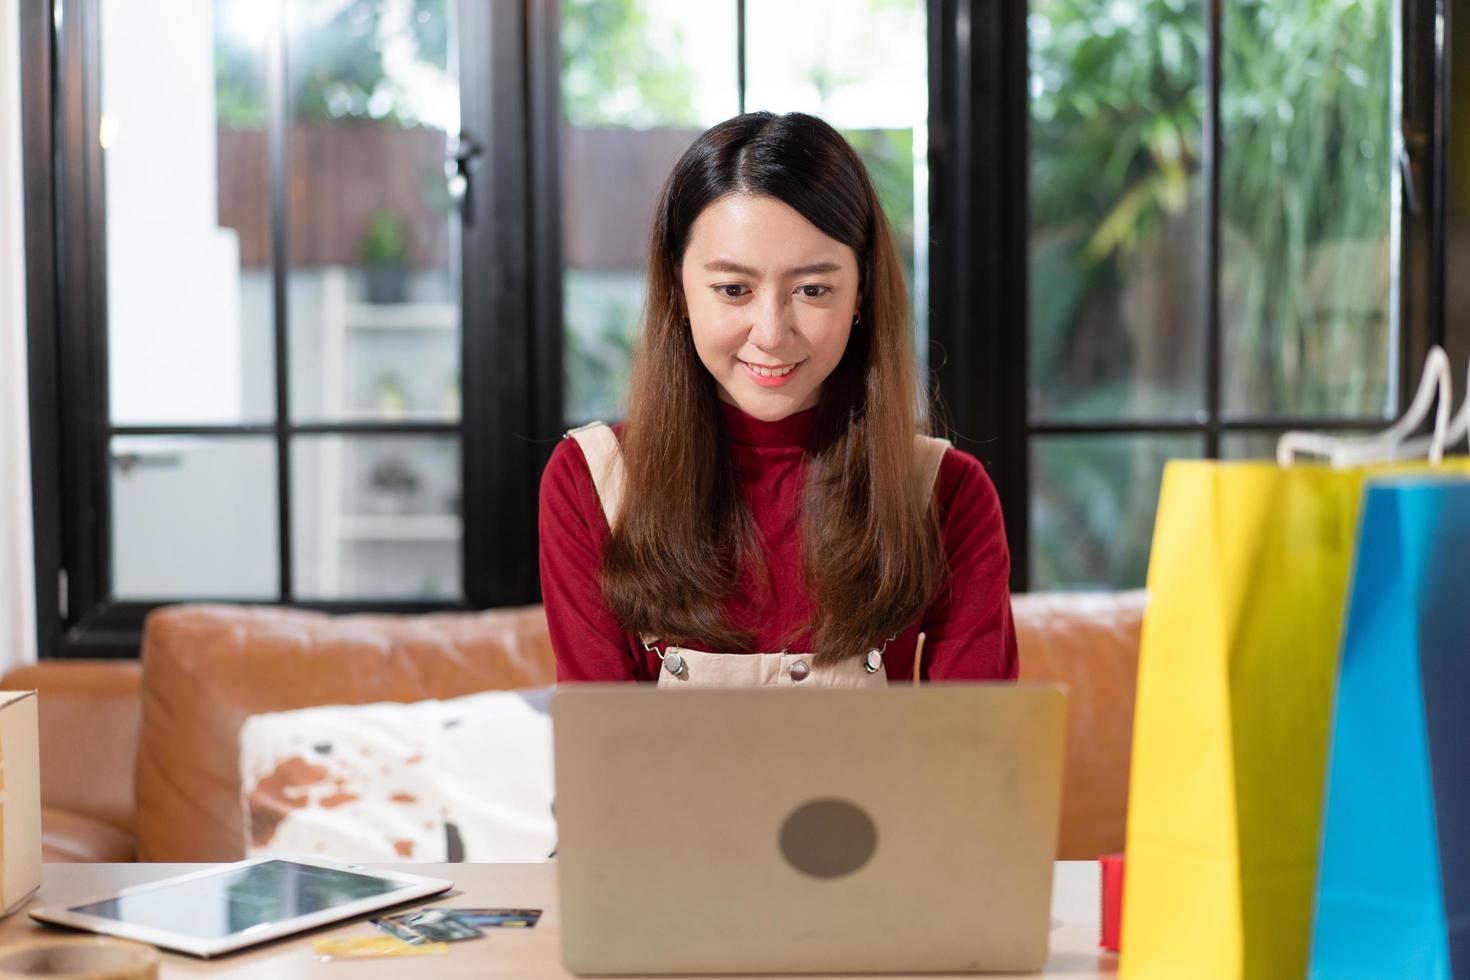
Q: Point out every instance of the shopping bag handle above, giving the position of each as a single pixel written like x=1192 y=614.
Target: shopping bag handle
x=1458 y=431
x=1394 y=442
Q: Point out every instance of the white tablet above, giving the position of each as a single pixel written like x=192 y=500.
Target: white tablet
x=226 y=908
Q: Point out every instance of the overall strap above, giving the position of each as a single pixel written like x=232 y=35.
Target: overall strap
x=605 y=461
x=931 y=455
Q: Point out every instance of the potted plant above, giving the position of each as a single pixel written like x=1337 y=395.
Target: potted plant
x=383 y=253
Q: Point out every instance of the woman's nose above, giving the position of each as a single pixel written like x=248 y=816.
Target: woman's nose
x=772 y=323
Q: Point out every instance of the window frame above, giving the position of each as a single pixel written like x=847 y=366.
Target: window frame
x=510 y=416
x=983 y=372
x=511 y=412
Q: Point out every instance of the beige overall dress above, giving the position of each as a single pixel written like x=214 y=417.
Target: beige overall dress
x=683 y=668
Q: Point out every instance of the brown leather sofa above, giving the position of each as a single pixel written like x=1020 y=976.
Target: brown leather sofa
x=139 y=761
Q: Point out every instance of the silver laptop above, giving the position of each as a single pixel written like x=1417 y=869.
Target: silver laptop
x=778 y=831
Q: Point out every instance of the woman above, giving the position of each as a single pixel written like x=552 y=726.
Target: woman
x=769 y=513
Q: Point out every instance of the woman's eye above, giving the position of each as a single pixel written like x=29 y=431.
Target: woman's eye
x=732 y=290
x=815 y=292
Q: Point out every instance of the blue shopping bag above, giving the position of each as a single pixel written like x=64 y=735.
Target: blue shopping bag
x=1393 y=889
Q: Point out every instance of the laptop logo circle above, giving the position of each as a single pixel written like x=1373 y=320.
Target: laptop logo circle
x=828 y=838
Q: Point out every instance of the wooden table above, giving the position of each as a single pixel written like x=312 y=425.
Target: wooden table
x=533 y=953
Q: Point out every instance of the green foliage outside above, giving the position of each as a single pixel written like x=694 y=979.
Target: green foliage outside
x=612 y=76
x=335 y=63
x=1117 y=123
x=1097 y=533
x=611 y=79
x=889 y=156
x=1306 y=205
x=1116 y=119
x=601 y=315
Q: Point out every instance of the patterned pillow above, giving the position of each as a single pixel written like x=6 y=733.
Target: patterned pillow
x=468 y=779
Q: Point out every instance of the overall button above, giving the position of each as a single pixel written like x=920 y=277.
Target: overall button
x=800 y=670
x=874 y=661
x=674 y=663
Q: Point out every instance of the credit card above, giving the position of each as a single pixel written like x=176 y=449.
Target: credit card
x=434 y=925
x=360 y=947
x=399 y=930
x=497 y=918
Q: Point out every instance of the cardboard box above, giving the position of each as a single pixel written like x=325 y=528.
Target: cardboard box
x=20 y=799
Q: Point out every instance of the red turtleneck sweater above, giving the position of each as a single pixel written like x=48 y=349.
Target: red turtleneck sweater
x=968 y=633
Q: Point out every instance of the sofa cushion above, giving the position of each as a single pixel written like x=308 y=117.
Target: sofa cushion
x=206 y=668
x=71 y=838
x=88 y=717
x=467 y=779
x=1089 y=643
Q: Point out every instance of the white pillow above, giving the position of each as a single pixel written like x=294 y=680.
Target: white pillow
x=468 y=779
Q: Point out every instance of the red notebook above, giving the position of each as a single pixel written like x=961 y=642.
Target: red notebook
x=1112 y=901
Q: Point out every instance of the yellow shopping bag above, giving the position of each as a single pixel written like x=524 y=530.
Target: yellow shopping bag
x=1247 y=582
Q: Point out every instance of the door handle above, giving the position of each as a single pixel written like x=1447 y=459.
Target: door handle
x=463 y=150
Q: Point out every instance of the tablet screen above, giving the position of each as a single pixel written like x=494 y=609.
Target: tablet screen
x=231 y=902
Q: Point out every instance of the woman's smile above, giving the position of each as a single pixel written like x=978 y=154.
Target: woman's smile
x=770 y=375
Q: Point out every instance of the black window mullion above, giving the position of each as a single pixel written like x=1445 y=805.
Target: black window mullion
x=1454 y=165
x=740 y=76
x=1251 y=423
x=41 y=216
x=298 y=429
x=81 y=284
x=1420 y=88
x=506 y=436
x=1214 y=330
x=979 y=243
x=544 y=325
x=1440 y=151
x=277 y=112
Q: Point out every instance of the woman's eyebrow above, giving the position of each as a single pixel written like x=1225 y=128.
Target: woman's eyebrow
x=815 y=268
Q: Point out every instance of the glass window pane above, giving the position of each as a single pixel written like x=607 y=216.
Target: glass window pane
x=1262 y=445
x=1305 y=207
x=855 y=63
x=194 y=518
x=1248 y=445
x=648 y=64
x=374 y=291
x=1117 y=209
x=1093 y=499
x=376 y=517
x=190 y=323
x=640 y=79
x=862 y=65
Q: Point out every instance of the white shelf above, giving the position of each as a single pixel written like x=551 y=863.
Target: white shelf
x=400 y=527
x=354 y=332
x=401 y=316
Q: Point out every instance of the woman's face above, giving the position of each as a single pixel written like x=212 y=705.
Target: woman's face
x=770 y=301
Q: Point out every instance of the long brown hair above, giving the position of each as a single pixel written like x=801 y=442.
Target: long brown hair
x=870 y=543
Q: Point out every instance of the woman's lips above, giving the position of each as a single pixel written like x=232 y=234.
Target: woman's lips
x=769 y=380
